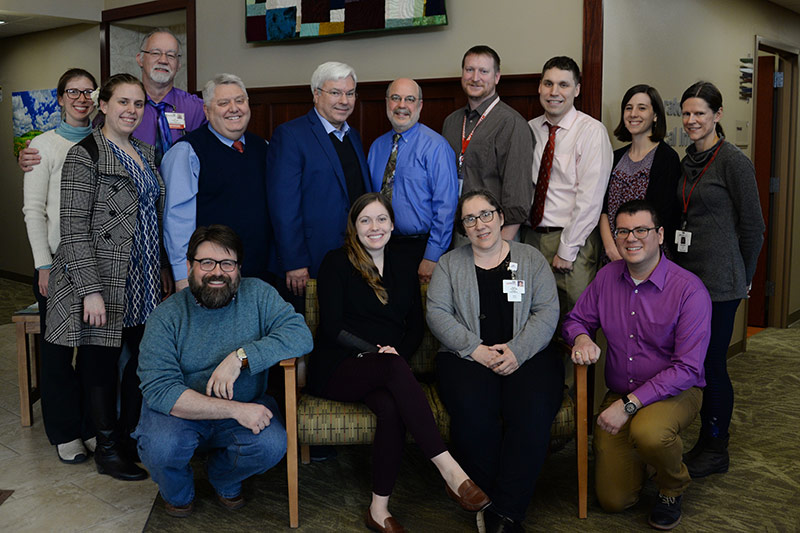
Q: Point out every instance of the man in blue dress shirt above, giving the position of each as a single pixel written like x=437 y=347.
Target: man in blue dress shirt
x=415 y=168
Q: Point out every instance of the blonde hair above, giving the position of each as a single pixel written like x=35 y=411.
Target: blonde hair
x=356 y=252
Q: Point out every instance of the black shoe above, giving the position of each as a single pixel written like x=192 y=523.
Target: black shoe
x=696 y=450
x=321 y=453
x=107 y=456
x=713 y=459
x=489 y=521
x=666 y=513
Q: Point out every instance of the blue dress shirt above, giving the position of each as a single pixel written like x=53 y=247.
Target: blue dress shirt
x=425 y=191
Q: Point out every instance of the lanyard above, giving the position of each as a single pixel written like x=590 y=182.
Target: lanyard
x=465 y=140
x=683 y=191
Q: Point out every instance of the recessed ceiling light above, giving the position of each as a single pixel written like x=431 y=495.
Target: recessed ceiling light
x=2 y=21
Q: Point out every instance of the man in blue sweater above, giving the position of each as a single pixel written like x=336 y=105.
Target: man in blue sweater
x=203 y=363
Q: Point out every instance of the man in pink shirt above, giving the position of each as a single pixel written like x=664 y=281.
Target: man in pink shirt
x=657 y=319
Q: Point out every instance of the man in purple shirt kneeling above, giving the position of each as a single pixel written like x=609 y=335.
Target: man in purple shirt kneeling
x=657 y=319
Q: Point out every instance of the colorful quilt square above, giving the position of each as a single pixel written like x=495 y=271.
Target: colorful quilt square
x=281 y=23
x=331 y=28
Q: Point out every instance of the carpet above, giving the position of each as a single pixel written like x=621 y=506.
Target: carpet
x=759 y=493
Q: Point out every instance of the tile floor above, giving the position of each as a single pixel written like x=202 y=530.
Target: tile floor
x=49 y=495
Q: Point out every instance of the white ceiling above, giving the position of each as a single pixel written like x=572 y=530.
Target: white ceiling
x=18 y=24
x=793 y=5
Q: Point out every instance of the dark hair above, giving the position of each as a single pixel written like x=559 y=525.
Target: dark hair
x=563 y=63
x=634 y=206
x=482 y=50
x=708 y=92
x=71 y=74
x=659 y=129
x=355 y=250
x=486 y=195
x=107 y=90
x=220 y=235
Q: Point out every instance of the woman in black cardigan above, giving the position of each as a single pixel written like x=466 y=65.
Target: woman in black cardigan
x=645 y=169
x=370 y=325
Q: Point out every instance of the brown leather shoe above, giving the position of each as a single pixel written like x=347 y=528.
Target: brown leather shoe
x=390 y=525
x=231 y=504
x=470 y=496
x=179 y=512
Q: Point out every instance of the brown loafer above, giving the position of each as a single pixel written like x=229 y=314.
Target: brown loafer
x=390 y=525
x=470 y=496
x=179 y=512
x=231 y=504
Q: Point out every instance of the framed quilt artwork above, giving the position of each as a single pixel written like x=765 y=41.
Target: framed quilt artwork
x=286 y=20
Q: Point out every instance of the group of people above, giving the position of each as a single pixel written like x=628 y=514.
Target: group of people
x=507 y=222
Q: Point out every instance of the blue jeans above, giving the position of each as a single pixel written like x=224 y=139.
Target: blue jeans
x=167 y=443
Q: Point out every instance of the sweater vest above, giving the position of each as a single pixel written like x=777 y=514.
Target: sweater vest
x=352 y=168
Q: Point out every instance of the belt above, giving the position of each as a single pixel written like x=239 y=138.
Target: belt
x=545 y=229
x=416 y=237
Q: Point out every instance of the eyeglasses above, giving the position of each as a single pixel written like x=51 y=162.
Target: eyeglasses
x=156 y=54
x=74 y=94
x=396 y=98
x=639 y=233
x=336 y=93
x=207 y=265
x=485 y=216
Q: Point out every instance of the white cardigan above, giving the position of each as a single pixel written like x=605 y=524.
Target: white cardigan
x=42 y=196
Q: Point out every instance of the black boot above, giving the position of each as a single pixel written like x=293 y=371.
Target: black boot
x=697 y=449
x=713 y=459
x=106 y=455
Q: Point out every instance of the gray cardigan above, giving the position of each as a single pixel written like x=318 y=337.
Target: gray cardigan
x=726 y=223
x=454 y=304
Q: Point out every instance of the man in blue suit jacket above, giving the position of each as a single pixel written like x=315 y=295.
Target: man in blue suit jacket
x=315 y=170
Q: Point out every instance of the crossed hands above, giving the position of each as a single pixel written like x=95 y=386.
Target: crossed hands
x=498 y=358
x=253 y=416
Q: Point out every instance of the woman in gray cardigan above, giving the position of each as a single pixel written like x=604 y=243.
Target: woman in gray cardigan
x=721 y=230
x=494 y=307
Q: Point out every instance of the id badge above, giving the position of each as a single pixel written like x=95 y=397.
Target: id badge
x=683 y=239
x=514 y=289
x=177 y=121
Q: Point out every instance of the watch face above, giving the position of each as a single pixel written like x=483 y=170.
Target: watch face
x=630 y=408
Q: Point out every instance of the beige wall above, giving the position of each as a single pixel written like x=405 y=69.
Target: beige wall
x=643 y=46
x=33 y=61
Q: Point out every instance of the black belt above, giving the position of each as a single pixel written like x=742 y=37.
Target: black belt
x=545 y=229
x=419 y=236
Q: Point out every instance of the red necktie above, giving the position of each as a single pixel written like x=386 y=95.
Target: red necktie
x=238 y=146
x=537 y=211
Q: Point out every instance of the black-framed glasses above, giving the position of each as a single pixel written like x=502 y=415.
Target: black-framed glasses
x=208 y=264
x=156 y=54
x=336 y=93
x=410 y=100
x=74 y=94
x=485 y=216
x=640 y=233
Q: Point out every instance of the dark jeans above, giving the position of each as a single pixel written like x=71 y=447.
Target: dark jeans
x=385 y=383
x=717 y=409
x=64 y=388
x=500 y=425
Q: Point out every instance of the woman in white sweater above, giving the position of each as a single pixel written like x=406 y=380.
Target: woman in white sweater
x=66 y=425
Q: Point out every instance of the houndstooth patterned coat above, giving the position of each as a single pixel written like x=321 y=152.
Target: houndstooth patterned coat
x=99 y=207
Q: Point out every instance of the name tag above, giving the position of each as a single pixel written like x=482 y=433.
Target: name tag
x=514 y=289
x=683 y=239
x=177 y=121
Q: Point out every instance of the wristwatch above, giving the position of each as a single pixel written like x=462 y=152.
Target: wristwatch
x=629 y=406
x=243 y=358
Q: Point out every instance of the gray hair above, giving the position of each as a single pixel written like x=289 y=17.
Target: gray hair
x=160 y=30
x=220 y=79
x=331 y=71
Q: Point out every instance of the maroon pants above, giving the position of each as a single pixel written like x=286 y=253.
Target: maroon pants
x=385 y=383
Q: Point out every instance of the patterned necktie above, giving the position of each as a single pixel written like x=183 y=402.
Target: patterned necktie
x=388 y=173
x=238 y=146
x=537 y=211
x=164 y=133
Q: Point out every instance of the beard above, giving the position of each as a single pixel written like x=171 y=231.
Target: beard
x=161 y=77
x=214 y=297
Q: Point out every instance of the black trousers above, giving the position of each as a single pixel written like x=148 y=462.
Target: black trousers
x=500 y=425
x=717 y=409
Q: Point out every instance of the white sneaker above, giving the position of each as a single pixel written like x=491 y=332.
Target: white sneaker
x=90 y=444
x=480 y=522
x=71 y=452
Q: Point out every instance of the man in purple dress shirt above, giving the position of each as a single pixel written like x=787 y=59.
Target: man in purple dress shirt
x=657 y=319
x=170 y=113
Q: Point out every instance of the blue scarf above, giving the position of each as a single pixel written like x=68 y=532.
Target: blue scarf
x=73 y=133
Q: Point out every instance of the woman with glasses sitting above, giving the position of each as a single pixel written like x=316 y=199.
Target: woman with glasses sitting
x=494 y=307
x=66 y=420
x=370 y=325
x=646 y=169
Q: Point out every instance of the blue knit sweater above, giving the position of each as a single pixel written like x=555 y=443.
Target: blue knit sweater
x=184 y=342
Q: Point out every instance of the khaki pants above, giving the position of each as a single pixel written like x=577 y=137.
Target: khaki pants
x=650 y=437
x=570 y=286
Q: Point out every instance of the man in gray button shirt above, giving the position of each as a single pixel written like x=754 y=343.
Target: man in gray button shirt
x=492 y=142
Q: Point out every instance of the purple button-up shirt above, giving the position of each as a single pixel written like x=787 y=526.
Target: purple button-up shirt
x=179 y=102
x=657 y=332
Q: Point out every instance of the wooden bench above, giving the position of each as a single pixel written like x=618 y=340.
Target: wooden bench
x=28 y=359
